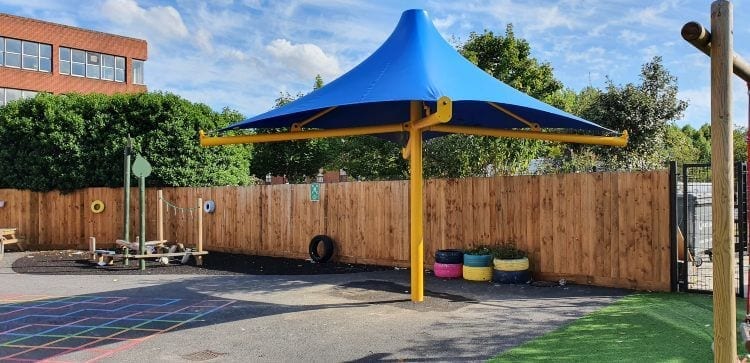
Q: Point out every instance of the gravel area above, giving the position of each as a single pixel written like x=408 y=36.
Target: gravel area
x=74 y=262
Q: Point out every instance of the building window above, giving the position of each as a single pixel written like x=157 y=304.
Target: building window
x=13 y=53
x=119 y=69
x=93 y=70
x=64 y=60
x=81 y=63
x=33 y=56
x=78 y=63
x=108 y=67
x=138 y=71
x=45 y=57
x=9 y=95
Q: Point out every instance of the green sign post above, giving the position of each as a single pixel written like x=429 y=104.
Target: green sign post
x=142 y=169
x=315 y=192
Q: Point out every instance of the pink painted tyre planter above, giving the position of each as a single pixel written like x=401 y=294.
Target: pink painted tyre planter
x=448 y=270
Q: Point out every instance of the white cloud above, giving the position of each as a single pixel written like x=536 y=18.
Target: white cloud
x=156 y=22
x=306 y=60
x=630 y=37
x=203 y=39
x=444 y=23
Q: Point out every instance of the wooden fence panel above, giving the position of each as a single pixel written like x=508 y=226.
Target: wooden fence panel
x=609 y=229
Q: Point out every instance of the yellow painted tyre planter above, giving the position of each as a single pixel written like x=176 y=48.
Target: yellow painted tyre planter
x=519 y=264
x=477 y=273
x=97 y=206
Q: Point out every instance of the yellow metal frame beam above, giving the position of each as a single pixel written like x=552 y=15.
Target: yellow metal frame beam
x=297 y=126
x=299 y=135
x=619 y=141
x=532 y=125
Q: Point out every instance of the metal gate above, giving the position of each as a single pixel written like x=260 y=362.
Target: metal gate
x=693 y=204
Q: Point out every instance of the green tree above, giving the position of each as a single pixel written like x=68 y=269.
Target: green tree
x=508 y=59
x=645 y=110
x=293 y=159
x=701 y=140
x=740 y=143
x=74 y=141
x=680 y=147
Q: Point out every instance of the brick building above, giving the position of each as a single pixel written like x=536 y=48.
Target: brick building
x=39 y=56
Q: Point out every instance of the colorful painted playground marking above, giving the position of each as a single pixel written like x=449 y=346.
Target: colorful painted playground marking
x=88 y=328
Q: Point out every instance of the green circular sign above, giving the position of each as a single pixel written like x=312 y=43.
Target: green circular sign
x=141 y=167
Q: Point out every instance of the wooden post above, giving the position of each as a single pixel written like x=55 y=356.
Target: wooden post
x=199 y=258
x=160 y=215
x=415 y=204
x=142 y=228
x=722 y=208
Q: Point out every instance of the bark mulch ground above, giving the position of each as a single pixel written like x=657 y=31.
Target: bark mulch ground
x=73 y=262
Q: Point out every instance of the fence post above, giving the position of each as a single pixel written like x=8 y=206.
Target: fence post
x=673 y=248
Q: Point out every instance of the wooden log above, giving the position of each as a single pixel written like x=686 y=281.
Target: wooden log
x=722 y=208
x=695 y=34
x=173 y=254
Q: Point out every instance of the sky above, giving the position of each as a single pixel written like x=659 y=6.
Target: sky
x=242 y=53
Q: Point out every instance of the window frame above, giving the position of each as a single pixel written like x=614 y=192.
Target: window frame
x=143 y=71
x=19 y=53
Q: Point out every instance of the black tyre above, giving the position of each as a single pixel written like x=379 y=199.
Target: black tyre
x=449 y=256
x=327 y=248
x=511 y=277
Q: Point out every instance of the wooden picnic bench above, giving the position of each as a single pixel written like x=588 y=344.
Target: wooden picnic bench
x=8 y=237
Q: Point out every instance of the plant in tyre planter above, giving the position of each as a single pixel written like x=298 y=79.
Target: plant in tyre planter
x=511 y=264
x=478 y=264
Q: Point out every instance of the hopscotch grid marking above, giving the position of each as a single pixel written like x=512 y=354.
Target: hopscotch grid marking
x=19 y=302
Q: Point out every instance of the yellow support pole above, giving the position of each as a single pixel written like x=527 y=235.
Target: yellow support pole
x=415 y=204
x=621 y=140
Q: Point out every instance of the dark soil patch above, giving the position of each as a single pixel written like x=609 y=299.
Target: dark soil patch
x=71 y=262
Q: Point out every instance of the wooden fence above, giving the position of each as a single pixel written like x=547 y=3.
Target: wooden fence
x=607 y=229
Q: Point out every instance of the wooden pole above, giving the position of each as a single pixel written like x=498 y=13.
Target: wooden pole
x=722 y=208
x=695 y=34
x=126 y=196
x=142 y=210
x=415 y=203
x=160 y=215
x=199 y=258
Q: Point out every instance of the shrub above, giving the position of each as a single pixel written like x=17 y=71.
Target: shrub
x=507 y=251
x=478 y=250
x=73 y=141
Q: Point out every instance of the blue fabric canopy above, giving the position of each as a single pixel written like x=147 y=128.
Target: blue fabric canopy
x=416 y=64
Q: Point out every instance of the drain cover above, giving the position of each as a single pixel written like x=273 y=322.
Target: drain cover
x=202 y=355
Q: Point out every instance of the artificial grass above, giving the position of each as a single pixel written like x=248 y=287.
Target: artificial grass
x=643 y=327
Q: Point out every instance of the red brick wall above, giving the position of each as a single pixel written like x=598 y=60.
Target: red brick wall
x=66 y=36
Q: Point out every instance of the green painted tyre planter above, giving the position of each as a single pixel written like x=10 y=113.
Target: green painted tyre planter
x=518 y=264
x=511 y=277
x=477 y=260
x=477 y=273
